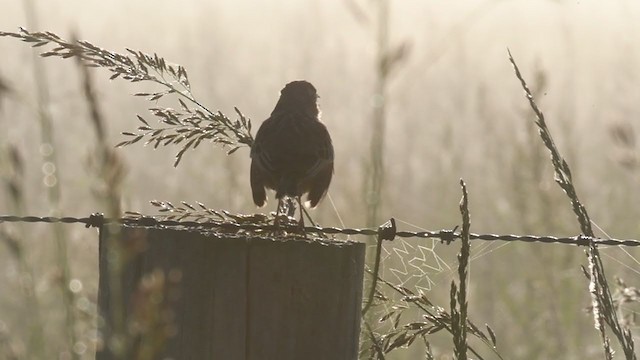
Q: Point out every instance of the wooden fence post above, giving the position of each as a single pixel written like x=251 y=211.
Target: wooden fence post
x=227 y=297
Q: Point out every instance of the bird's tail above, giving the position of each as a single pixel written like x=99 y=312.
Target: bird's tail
x=287 y=187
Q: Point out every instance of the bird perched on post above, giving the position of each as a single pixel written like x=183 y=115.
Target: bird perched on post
x=292 y=152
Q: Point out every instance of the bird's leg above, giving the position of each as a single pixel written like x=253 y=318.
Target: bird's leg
x=301 y=222
x=290 y=207
x=309 y=217
x=276 y=222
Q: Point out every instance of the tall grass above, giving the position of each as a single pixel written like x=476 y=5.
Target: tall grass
x=375 y=168
x=51 y=181
x=35 y=345
x=604 y=310
x=387 y=58
x=374 y=174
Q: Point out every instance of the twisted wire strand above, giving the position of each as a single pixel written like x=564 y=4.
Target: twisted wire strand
x=386 y=231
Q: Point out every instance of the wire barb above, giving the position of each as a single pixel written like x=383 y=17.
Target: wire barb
x=387 y=231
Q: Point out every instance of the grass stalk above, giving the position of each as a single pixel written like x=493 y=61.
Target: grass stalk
x=436 y=319
x=376 y=166
x=459 y=316
x=36 y=346
x=52 y=183
x=187 y=126
x=601 y=299
x=375 y=175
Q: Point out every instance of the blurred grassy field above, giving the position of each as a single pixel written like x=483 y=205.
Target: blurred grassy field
x=454 y=110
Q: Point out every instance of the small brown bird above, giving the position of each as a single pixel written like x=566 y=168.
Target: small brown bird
x=292 y=152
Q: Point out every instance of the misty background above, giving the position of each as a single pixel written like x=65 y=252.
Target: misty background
x=454 y=109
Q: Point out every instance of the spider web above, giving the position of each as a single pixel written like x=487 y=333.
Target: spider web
x=410 y=263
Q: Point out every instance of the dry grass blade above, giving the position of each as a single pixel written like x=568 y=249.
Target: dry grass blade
x=561 y=167
x=199 y=214
x=106 y=163
x=602 y=302
x=434 y=319
x=376 y=270
x=459 y=321
x=190 y=125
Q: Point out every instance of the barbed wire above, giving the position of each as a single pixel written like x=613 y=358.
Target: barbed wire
x=386 y=231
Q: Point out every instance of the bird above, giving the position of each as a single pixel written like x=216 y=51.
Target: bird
x=292 y=153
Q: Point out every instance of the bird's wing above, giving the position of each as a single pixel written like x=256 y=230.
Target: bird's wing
x=261 y=146
x=323 y=150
